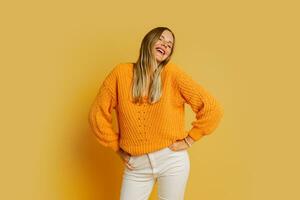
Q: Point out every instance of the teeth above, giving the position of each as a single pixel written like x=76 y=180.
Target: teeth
x=161 y=50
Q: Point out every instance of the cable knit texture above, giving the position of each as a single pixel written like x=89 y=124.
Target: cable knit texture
x=146 y=127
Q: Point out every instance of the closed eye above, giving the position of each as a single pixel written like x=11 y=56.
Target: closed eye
x=168 y=45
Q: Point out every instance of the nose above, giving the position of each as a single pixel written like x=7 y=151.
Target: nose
x=164 y=44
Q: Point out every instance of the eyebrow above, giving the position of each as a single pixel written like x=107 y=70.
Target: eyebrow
x=168 y=41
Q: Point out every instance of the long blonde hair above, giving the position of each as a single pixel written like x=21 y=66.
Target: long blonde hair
x=145 y=62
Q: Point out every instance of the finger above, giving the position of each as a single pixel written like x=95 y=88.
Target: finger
x=171 y=147
x=184 y=144
x=129 y=166
x=181 y=146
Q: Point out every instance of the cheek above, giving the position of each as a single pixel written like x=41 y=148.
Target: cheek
x=168 y=53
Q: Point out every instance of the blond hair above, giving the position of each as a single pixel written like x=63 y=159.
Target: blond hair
x=142 y=75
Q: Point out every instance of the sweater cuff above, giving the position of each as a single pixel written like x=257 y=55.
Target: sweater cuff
x=195 y=134
x=114 y=145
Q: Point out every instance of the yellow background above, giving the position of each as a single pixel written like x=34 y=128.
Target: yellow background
x=55 y=54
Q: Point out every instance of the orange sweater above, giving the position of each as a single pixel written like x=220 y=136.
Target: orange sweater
x=146 y=127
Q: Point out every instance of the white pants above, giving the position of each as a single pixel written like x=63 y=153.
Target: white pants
x=169 y=168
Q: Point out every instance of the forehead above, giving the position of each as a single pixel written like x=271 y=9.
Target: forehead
x=167 y=35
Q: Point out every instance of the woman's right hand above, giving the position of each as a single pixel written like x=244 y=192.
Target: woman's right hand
x=125 y=158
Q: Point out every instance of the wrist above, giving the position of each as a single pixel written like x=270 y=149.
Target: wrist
x=187 y=141
x=190 y=139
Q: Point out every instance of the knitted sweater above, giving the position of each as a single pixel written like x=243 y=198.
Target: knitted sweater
x=145 y=127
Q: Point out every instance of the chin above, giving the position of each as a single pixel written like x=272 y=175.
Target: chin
x=160 y=60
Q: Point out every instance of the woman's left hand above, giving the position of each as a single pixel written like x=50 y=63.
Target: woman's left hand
x=181 y=144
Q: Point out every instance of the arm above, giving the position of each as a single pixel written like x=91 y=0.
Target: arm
x=207 y=109
x=100 y=114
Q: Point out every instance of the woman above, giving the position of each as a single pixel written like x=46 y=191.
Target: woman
x=149 y=98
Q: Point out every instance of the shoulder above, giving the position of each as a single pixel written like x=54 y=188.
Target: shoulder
x=176 y=70
x=181 y=77
x=171 y=68
x=119 y=69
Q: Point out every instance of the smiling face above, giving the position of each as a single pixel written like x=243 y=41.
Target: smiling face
x=163 y=46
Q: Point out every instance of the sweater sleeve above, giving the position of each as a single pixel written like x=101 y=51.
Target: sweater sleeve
x=207 y=109
x=100 y=114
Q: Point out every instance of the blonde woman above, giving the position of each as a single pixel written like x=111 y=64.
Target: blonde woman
x=149 y=97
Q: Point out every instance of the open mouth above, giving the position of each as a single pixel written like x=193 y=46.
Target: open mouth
x=161 y=51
